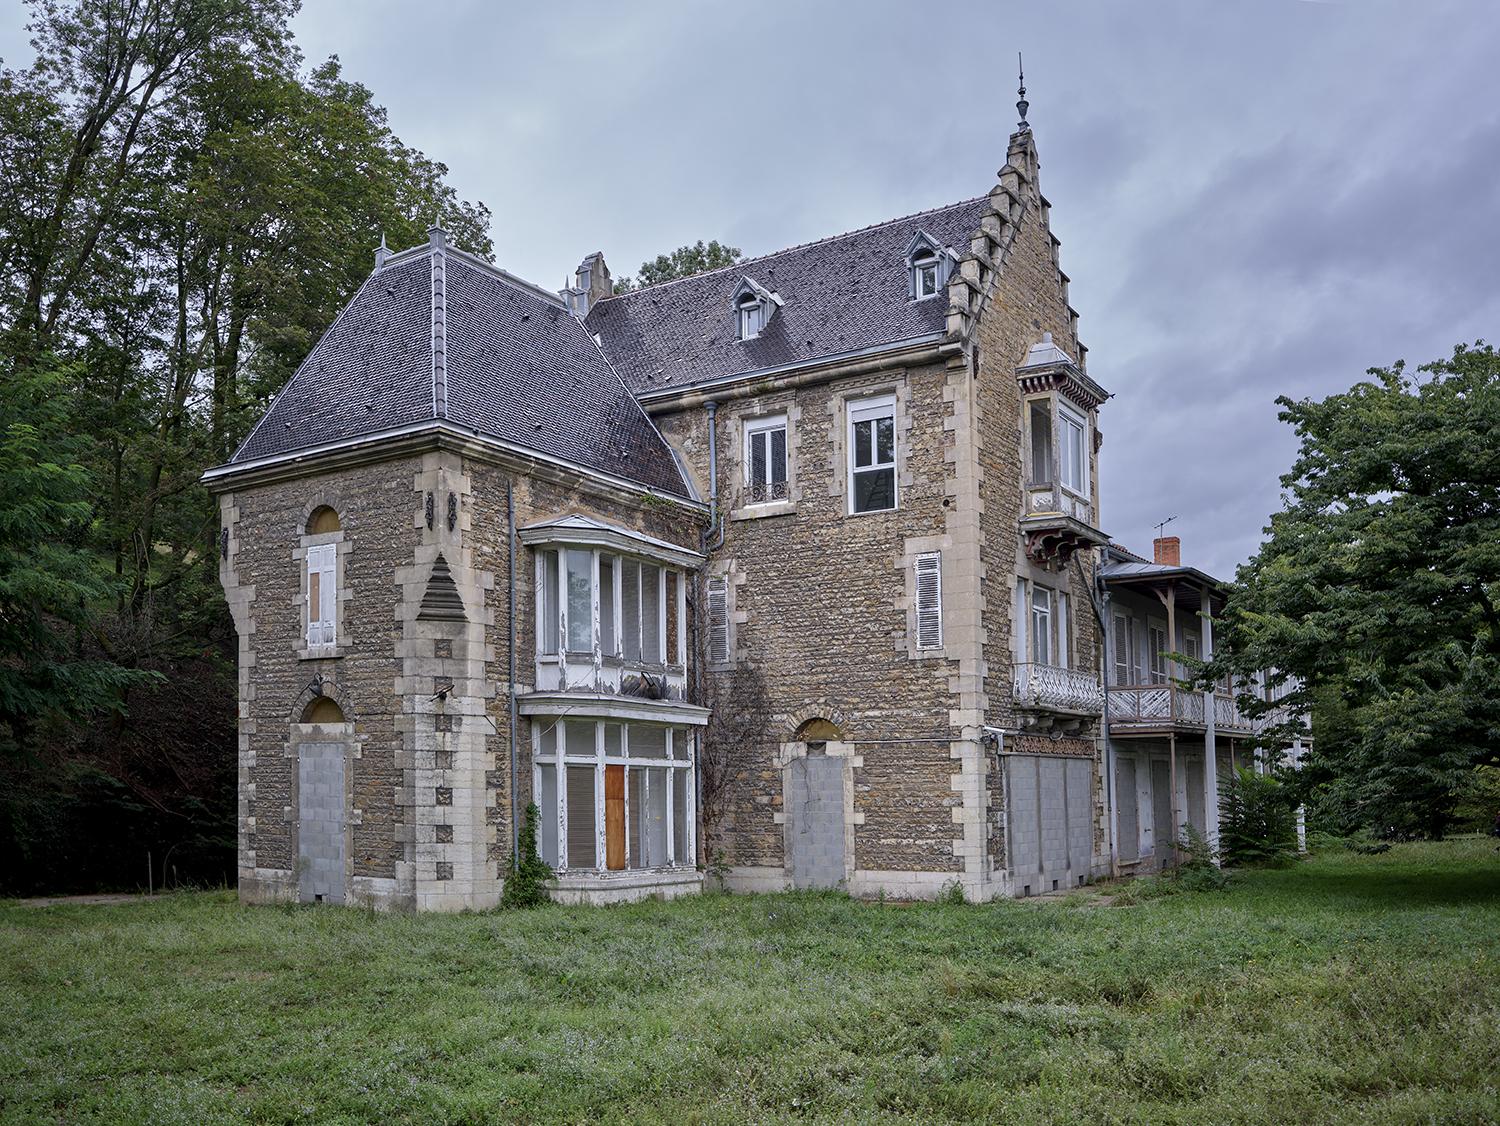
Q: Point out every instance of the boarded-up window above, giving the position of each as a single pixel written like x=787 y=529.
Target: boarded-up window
x=546 y=801
x=929 y=577
x=718 y=620
x=322 y=594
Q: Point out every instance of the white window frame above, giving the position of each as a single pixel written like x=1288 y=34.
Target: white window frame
x=762 y=429
x=676 y=759
x=552 y=597
x=1069 y=426
x=752 y=316
x=1041 y=624
x=871 y=410
x=927 y=576
x=924 y=265
x=321 y=621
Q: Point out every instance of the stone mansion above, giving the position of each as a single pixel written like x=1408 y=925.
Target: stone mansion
x=792 y=568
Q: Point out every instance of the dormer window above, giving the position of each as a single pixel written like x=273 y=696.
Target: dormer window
x=752 y=317
x=754 y=305
x=924 y=268
x=928 y=265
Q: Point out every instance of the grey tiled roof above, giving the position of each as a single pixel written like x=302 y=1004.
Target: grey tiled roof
x=842 y=294
x=519 y=368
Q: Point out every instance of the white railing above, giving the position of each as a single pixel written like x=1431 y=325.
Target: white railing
x=1057 y=689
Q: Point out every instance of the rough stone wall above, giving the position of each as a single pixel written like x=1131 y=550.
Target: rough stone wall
x=819 y=605
x=1030 y=298
x=427 y=698
x=263 y=578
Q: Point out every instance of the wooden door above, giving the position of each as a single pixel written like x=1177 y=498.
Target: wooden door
x=614 y=817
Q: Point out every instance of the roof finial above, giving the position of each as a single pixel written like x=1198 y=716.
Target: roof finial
x=382 y=252
x=1023 y=105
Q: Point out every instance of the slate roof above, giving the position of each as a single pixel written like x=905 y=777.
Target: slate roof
x=841 y=294
x=519 y=366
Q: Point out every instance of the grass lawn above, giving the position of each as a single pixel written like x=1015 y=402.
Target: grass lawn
x=1346 y=989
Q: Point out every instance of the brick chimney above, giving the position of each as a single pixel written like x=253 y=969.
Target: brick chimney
x=1167 y=550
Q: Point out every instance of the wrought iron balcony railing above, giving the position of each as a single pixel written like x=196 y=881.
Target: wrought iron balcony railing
x=1057 y=689
x=759 y=492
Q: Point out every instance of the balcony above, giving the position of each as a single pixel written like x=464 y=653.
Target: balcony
x=1152 y=707
x=1054 y=689
x=1057 y=522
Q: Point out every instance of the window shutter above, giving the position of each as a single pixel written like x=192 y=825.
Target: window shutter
x=718 y=621
x=322 y=594
x=1122 y=649
x=929 y=575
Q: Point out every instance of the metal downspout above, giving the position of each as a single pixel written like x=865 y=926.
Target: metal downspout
x=515 y=824
x=714 y=521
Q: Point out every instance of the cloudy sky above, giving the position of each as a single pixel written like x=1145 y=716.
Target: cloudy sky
x=1255 y=198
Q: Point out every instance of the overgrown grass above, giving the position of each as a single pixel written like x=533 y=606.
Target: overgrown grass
x=1349 y=988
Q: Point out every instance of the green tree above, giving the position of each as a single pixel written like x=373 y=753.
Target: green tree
x=184 y=208
x=683 y=262
x=48 y=577
x=1374 y=596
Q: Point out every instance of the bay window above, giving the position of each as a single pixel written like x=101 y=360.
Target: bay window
x=627 y=800
x=1073 y=460
x=1043 y=630
x=1061 y=433
x=622 y=605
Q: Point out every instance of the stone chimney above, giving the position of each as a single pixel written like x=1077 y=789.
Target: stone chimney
x=1167 y=550
x=593 y=283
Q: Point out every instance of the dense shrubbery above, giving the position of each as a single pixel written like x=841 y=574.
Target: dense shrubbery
x=1257 y=819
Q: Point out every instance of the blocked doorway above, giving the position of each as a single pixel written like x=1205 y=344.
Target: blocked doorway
x=322 y=803
x=1049 y=820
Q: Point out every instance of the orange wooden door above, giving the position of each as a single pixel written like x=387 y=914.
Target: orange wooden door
x=614 y=818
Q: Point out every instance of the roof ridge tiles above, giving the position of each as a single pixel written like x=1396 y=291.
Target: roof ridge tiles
x=657 y=287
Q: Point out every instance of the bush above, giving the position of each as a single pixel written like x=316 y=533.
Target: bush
x=526 y=886
x=1257 y=819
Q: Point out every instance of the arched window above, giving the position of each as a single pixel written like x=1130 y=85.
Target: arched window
x=322 y=520
x=323 y=709
x=321 y=551
x=924 y=265
x=818 y=732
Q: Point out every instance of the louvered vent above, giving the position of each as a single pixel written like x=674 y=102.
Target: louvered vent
x=441 y=601
x=929 y=601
